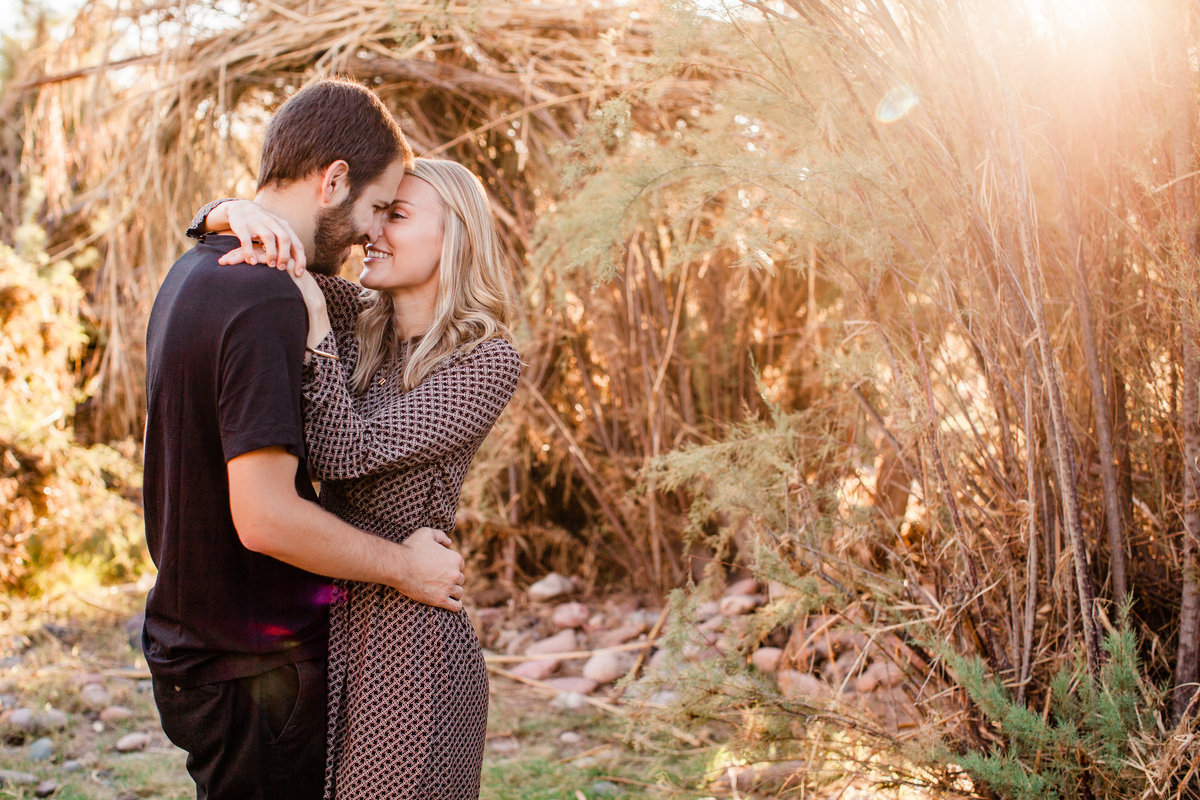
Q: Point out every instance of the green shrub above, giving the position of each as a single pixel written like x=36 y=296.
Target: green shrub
x=63 y=503
x=1087 y=743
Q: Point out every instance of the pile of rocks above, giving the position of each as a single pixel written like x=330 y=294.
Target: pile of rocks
x=827 y=658
x=578 y=649
x=73 y=741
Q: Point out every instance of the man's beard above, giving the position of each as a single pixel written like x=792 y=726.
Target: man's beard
x=335 y=233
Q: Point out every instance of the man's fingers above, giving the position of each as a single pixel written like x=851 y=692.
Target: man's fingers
x=448 y=603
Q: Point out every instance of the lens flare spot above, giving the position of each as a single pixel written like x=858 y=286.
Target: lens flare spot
x=276 y=631
x=896 y=104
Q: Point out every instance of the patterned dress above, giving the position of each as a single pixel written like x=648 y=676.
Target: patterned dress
x=408 y=688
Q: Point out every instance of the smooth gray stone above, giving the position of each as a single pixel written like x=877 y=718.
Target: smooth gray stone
x=42 y=750
x=51 y=720
x=605 y=789
x=10 y=777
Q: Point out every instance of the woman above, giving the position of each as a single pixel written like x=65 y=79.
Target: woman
x=402 y=383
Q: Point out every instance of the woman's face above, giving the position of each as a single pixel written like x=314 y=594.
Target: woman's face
x=406 y=255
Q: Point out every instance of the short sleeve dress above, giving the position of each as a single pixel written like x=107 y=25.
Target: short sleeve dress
x=408 y=688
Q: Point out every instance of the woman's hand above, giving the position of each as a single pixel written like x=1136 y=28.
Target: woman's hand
x=314 y=301
x=278 y=245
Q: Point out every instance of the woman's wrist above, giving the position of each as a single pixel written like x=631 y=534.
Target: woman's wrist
x=318 y=330
x=218 y=217
x=199 y=224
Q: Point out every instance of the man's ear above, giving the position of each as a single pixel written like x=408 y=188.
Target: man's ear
x=335 y=183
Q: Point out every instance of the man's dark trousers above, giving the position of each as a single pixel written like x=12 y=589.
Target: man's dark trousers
x=255 y=738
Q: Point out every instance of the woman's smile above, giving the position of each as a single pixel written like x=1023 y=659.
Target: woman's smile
x=376 y=253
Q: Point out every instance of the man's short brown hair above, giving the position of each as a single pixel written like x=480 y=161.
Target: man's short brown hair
x=326 y=121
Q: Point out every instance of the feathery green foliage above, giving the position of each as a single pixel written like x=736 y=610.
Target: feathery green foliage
x=64 y=503
x=1087 y=746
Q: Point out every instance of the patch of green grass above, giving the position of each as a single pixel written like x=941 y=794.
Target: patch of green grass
x=608 y=760
x=158 y=775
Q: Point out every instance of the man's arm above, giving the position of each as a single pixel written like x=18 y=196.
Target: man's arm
x=273 y=520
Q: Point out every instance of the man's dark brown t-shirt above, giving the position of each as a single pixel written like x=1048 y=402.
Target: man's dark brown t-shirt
x=224 y=354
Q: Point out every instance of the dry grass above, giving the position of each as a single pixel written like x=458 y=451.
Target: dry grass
x=966 y=327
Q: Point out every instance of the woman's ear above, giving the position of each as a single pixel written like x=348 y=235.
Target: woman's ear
x=335 y=184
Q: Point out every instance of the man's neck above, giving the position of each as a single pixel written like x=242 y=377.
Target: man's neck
x=294 y=205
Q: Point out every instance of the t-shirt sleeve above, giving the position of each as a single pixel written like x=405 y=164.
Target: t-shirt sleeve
x=262 y=357
x=452 y=410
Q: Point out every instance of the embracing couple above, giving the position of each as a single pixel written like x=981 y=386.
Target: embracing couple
x=302 y=650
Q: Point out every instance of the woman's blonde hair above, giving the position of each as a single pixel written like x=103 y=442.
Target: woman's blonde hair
x=475 y=297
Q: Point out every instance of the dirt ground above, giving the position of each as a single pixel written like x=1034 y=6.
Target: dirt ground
x=52 y=648
x=69 y=661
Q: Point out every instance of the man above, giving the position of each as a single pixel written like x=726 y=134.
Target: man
x=236 y=628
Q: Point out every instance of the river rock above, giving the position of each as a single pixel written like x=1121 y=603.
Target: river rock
x=706 y=610
x=880 y=673
x=50 y=719
x=570 y=737
x=115 y=714
x=505 y=745
x=537 y=670
x=737 y=604
x=664 y=697
x=561 y=642
x=766 y=659
x=133 y=630
x=571 y=701
x=795 y=684
x=95 y=696
x=572 y=683
x=133 y=741
x=11 y=777
x=20 y=719
x=550 y=587
x=42 y=749
x=45 y=789
x=569 y=615
x=606 y=666
x=620 y=635
x=605 y=789
x=514 y=642
x=744 y=586
x=835 y=671
x=659 y=661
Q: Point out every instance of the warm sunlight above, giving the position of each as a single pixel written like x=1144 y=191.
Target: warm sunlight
x=1069 y=18
x=801 y=396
